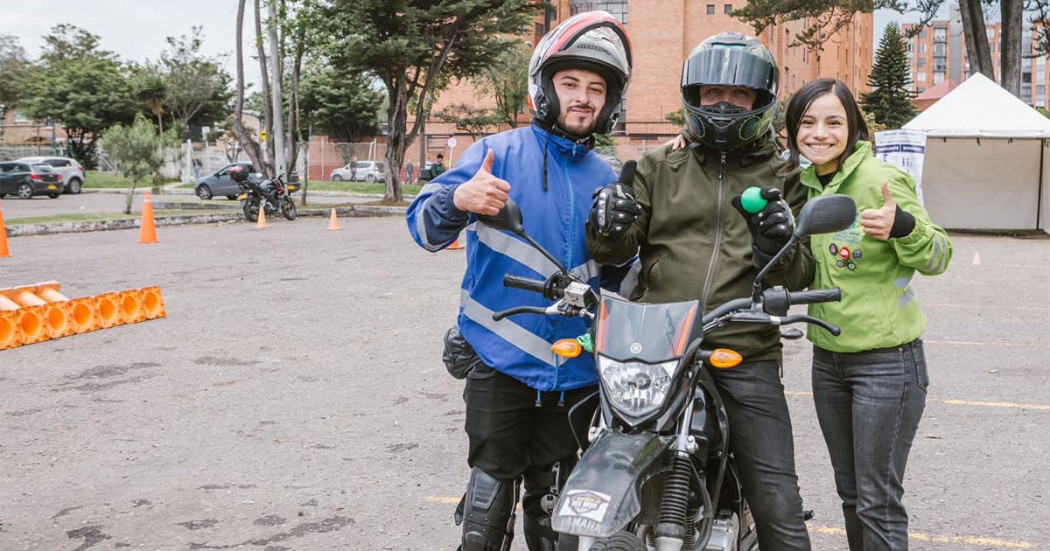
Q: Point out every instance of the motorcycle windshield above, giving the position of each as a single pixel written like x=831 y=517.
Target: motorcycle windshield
x=650 y=333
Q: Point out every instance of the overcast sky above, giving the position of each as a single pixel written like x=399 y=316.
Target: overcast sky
x=134 y=29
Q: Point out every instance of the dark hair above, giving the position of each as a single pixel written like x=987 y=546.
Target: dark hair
x=440 y=156
x=799 y=104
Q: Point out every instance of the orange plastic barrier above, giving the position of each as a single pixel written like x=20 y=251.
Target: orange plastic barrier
x=153 y=303
x=131 y=306
x=10 y=330
x=107 y=306
x=55 y=316
x=84 y=312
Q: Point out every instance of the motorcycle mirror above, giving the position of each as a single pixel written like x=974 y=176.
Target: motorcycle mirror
x=826 y=214
x=508 y=219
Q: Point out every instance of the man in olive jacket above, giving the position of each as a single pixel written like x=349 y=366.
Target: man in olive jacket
x=679 y=219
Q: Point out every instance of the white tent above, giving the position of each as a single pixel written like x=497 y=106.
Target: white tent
x=987 y=162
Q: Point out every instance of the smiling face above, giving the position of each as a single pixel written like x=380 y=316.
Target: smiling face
x=581 y=96
x=823 y=133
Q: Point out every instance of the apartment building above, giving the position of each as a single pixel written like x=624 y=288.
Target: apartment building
x=663 y=33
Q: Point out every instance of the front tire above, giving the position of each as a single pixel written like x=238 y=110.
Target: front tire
x=623 y=541
x=337 y=178
x=204 y=192
x=251 y=209
x=288 y=208
x=25 y=191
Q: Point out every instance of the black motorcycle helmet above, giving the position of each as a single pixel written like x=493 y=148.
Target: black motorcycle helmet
x=729 y=59
x=239 y=173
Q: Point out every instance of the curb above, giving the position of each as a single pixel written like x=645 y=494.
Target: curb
x=179 y=220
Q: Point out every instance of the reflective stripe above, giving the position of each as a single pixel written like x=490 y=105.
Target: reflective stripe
x=523 y=253
x=901 y=282
x=507 y=330
x=421 y=227
x=937 y=259
x=906 y=297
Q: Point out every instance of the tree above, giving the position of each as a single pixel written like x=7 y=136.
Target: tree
x=81 y=86
x=507 y=80
x=15 y=67
x=246 y=141
x=198 y=90
x=135 y=149
x=889 y=101
x=475 y=121
x=824 y=17
x=410 y=44
x=341 y=103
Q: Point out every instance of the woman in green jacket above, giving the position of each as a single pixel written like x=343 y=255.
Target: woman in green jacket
x=869 y=384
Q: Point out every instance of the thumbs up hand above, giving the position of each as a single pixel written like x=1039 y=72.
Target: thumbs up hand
x=483 y=193
x=879 y=222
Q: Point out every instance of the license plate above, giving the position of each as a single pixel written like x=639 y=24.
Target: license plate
x=51 y=186
x=242 y=196
x=292 y=187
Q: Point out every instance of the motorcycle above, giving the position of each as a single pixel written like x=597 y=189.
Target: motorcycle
x=656 y=473
x=271 y=195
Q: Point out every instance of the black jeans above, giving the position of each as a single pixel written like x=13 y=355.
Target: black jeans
x=764 y=450
x=513 y=435
x=869 y=405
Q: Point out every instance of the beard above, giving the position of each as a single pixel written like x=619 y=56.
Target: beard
x=578 y=126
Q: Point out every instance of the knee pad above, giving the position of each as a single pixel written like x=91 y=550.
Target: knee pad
x=488 y=512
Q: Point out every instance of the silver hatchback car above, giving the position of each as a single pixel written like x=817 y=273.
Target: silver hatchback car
x=72 y=172
x=360 y=171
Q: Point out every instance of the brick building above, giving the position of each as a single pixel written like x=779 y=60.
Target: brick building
x=938 y=53
x=663 y=33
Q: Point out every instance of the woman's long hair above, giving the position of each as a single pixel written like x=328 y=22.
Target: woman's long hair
x=799 y=104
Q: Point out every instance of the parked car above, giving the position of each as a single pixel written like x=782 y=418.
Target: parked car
x=26 y=180
x=360 y=171
x=72 y=171
x=220 y=183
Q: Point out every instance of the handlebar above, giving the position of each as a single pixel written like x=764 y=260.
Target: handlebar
x=518 y=282
x=815 y=296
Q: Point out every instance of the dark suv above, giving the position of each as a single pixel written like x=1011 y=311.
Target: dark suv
x=26 y=180
x=220 y=183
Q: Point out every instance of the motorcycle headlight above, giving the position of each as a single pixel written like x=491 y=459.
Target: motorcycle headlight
x=635 y=388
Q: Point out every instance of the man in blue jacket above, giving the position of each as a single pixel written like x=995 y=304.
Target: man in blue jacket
x=518 y=393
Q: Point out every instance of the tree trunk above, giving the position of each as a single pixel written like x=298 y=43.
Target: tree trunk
x=1010 y=52
x=976 y=38
x=396 y=140
x=267 y=167
x=246 y=143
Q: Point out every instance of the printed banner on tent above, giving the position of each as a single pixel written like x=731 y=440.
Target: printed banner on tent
x=904 y=149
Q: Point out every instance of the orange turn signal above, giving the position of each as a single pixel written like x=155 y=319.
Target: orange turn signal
x=567 y=348
x=724 y=358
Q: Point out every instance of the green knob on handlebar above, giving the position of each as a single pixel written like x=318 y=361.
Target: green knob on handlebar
x=586 y=342
x=752 y=200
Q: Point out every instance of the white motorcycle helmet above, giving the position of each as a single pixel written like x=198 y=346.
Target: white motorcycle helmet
x=594 y=41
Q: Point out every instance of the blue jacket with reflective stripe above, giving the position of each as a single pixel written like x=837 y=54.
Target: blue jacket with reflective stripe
x=519 y=346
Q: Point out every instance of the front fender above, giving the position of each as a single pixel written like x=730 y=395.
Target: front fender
x=603 y=493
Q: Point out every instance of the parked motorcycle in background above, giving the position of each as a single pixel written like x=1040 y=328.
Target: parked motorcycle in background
x=268 y=195
x=656 y=473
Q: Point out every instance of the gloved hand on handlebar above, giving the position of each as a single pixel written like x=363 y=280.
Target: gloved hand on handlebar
x=614 y=207
x=770 y=228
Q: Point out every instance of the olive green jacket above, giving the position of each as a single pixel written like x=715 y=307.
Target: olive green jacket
x=693 y=244
x=878 y=307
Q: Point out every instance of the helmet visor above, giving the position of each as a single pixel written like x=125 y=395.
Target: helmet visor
x=730 y=65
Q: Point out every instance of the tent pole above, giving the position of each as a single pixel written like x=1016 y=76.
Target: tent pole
x=1039 y=190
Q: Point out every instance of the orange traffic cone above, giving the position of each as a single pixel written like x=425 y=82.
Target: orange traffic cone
x=333 y=222
x=148 y=233
x=261 y=222
x=3 y=235
x=456 y=245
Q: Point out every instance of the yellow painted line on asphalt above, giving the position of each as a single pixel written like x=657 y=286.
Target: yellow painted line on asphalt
x=439 y=499
x=919 y=536
x=1010 y=405
x=992 y=343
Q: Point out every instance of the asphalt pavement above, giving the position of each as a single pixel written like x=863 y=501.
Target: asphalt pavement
x=293 y=397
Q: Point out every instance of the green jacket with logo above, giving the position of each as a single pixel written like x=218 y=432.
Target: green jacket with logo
x=693 y=244
x=878 y=307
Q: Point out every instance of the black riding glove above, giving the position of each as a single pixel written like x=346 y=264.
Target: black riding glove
x=770 y=228
x=614 y=209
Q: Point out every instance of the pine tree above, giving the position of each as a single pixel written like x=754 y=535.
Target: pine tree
x=890 y=98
